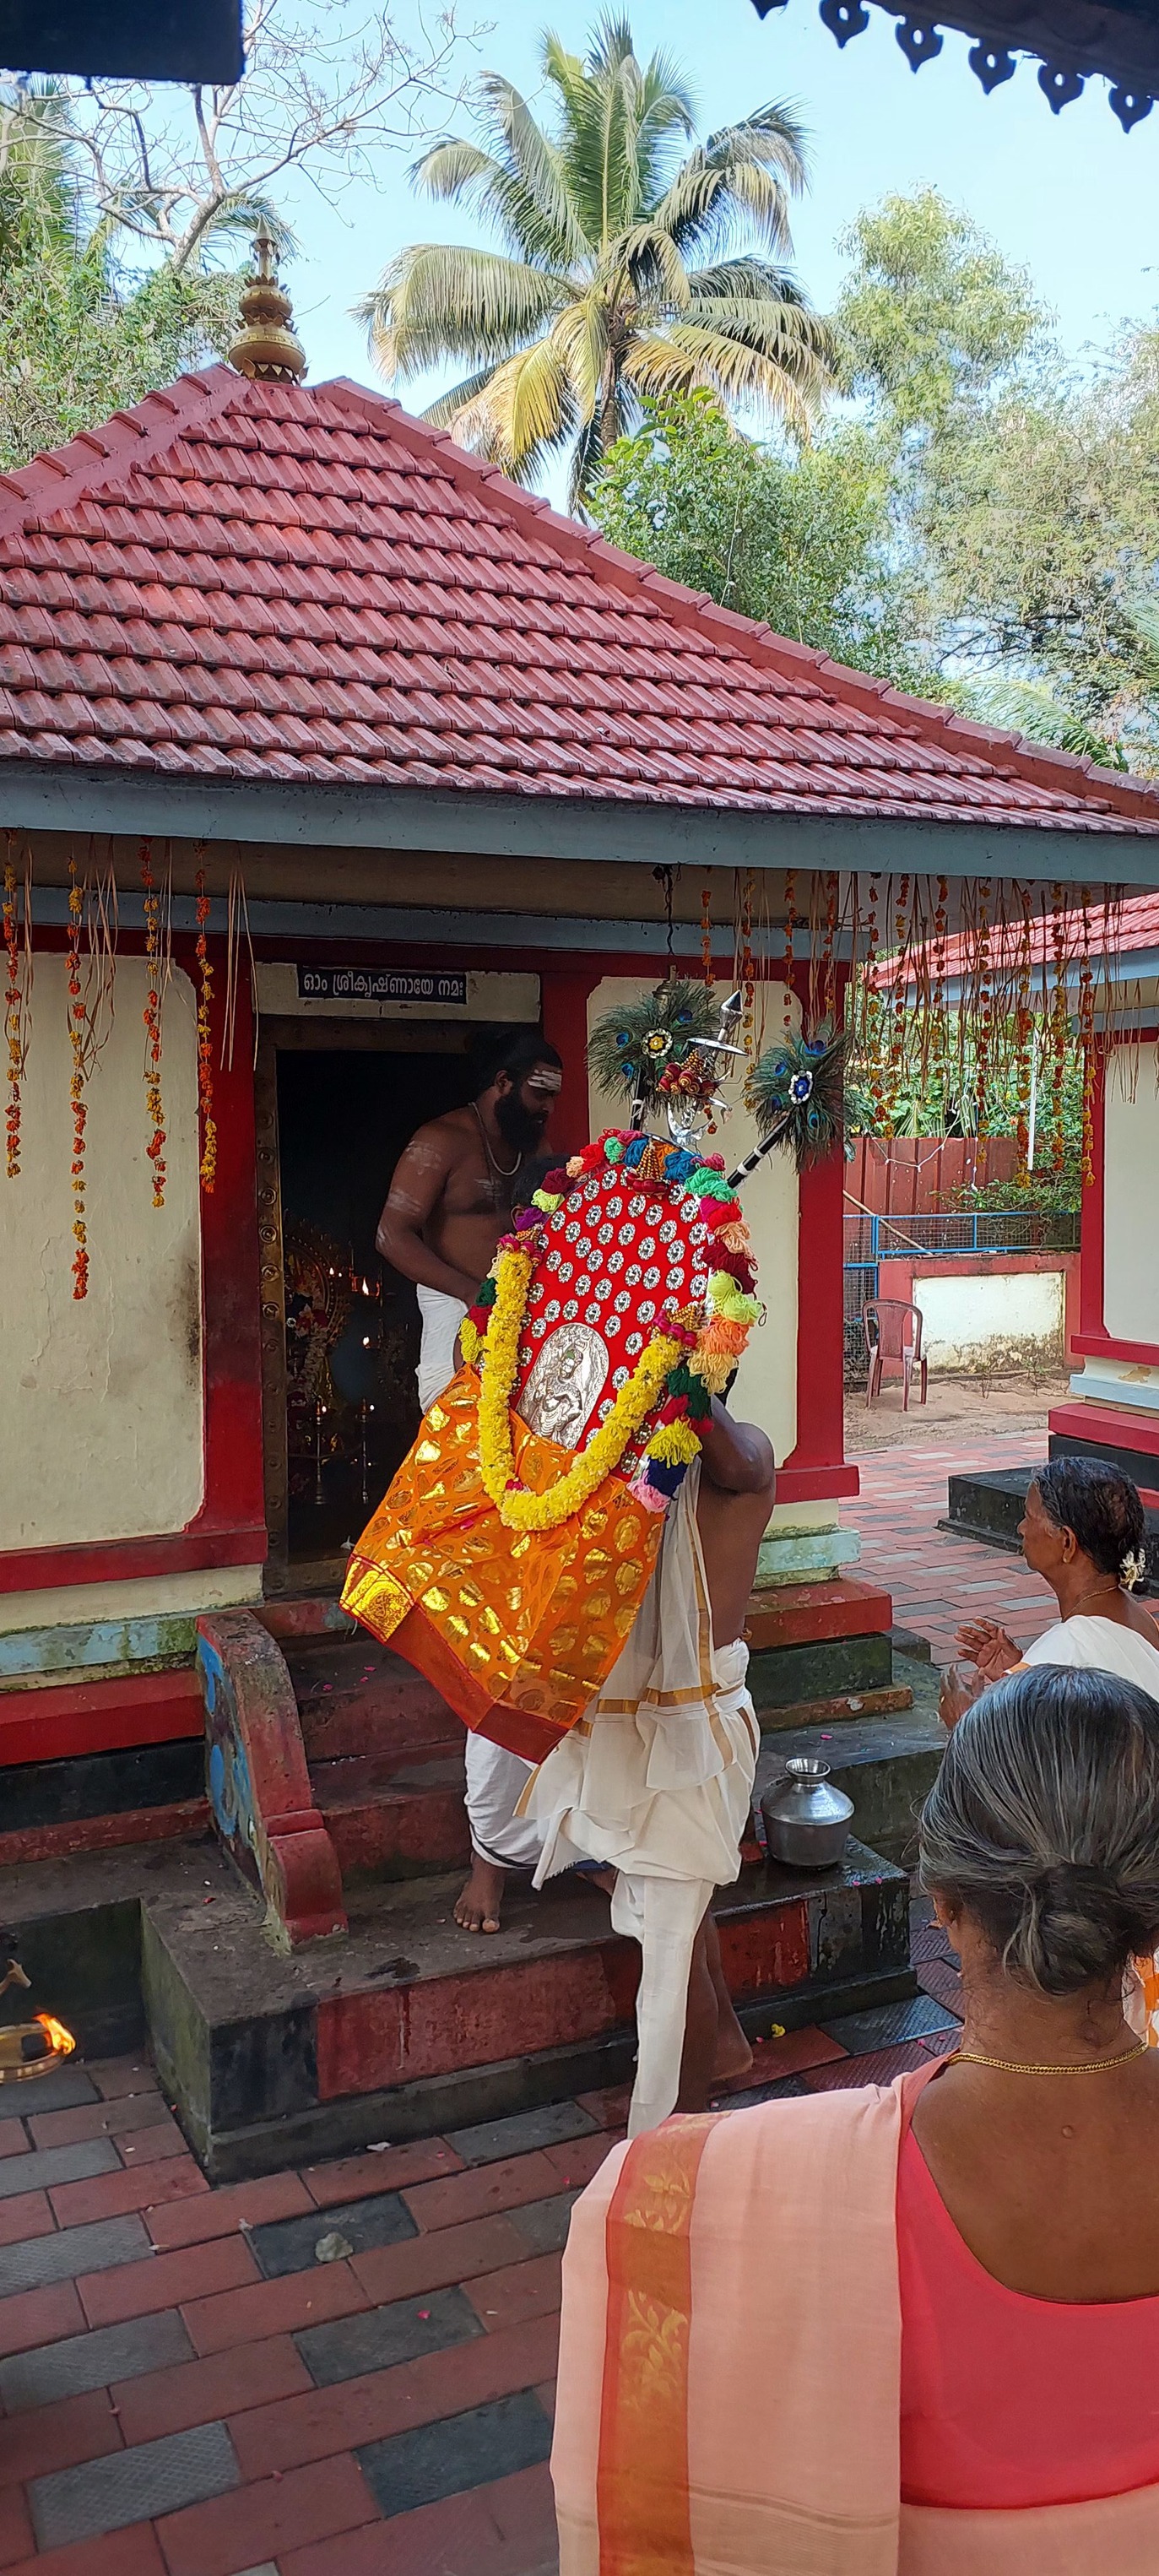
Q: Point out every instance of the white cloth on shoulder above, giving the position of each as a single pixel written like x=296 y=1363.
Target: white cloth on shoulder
x=656 y=1781
x=442 y=1316
x=1102 y=1646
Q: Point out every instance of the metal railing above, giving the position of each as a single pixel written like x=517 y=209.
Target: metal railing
x=870 y=1240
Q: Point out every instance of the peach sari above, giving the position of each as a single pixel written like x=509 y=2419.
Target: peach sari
x=730 y=2368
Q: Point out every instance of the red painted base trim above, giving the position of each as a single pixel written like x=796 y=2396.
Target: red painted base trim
x=64 y=1718
x=816 y=1484
x=1118 y=1424
x=106 y=1833
x=809 y=1614
x=123 y=1560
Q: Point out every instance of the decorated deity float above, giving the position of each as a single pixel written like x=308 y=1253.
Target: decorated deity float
x=511 y=1553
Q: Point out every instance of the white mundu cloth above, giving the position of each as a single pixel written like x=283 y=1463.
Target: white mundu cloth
x=495 y=1780
x=442 y=1316
x=1102 y=1645
x=656 y=1781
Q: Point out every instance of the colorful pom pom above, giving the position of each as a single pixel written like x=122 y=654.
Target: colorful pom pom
x=704 y=1183
x=469 y=1340
x=613 y=1150
x=674 y=1443
x=642 y=1491
x=547 y=1200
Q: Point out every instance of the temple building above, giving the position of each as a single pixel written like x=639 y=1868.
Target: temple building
x=323 y=747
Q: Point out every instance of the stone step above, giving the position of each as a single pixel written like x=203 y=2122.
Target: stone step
x=394 y=1819
x=356 y=1699
x=814 y=1613
x=409 y=2026
x=988 y=1504
x=886 y=1763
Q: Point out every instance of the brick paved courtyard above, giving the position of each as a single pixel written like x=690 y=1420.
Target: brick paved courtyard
x=349 y=2370
x=938 y=1580
x=191 y=2389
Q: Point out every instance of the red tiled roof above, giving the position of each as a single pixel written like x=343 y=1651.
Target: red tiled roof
x=273 y=582
x=1137 y=928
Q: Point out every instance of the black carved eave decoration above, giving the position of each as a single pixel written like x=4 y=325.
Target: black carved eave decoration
x=154 y=40
x=1071 y=40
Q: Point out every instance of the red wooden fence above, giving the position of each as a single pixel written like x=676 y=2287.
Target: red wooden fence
x=916 y=1175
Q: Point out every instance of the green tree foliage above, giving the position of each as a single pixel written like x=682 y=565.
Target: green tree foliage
x=633 y=268
x=1027 y=500
x=800 y=538
x=932 y=320
x=77 y=338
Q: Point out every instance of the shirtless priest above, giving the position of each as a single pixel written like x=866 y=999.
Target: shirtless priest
x=454 y=1189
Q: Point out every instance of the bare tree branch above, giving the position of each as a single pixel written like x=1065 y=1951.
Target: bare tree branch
x=326 y=87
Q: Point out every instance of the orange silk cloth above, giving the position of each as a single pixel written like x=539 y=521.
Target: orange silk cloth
x=730 y=2367
x=516 y=1629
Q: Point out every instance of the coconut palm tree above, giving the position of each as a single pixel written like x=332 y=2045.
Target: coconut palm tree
x=627 y=272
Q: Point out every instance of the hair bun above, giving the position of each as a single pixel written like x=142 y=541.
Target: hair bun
x=1078 y=1923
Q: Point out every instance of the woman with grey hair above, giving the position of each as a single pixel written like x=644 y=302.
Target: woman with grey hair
x=906 y=2331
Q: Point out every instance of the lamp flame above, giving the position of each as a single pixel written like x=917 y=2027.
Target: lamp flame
x=60 y=2040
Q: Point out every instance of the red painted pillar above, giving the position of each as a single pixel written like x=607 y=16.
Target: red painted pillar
x=565 y=1022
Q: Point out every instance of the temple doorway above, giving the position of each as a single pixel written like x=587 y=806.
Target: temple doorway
x=340 y=1327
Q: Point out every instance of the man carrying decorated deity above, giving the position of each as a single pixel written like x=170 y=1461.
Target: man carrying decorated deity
x=453 y=1191
x=656 y=1781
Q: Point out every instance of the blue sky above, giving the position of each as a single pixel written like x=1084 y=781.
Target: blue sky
x=1070 y=196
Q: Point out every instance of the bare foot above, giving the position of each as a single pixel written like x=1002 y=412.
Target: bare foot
x=478 y=1906
x=734 y=2057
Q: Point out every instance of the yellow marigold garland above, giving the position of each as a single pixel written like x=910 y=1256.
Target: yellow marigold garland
x=517 y=1508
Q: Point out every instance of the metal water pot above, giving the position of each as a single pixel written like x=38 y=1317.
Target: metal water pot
x=806 y=1818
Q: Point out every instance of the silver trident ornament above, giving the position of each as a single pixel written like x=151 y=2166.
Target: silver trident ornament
x=692 y=1098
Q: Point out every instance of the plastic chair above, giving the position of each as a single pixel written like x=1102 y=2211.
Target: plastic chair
x=893 y=1331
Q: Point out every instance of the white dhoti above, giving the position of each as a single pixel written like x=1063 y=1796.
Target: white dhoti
x=656 y=1781
x=442 y=1316
x=495 y=1780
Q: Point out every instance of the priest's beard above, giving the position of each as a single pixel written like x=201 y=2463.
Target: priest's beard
x=519 y=1127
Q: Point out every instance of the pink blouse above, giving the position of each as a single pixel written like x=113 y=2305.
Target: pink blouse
x=1008 y=2401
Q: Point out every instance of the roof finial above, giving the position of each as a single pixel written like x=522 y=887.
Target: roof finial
x=266 y=347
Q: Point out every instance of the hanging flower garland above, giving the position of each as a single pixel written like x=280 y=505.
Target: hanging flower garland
x=829 y=948
x=706 y=930
x=152 y=1019
x=76 y=1035
x=1023 y=1034
x=1060 y=1028
x=1087 y=1041
x=17 y=997
x=208 y=1166
x=747 y=968
x=790 y=927
x=984 y=1013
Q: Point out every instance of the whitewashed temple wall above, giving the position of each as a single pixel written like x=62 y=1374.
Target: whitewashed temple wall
x=101 y=1398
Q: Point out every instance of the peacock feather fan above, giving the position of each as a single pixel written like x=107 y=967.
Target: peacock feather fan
x=796 y=1094
x=631 y=1048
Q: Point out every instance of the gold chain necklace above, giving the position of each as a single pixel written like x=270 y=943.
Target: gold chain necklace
x=1008 y=2066
x=497 y=1168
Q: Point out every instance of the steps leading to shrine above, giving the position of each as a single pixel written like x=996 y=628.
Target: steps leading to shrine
x=410 y=2026
x=385 y=1754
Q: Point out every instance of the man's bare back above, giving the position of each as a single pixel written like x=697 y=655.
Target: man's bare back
x=452 y=1190
x=737 y=1488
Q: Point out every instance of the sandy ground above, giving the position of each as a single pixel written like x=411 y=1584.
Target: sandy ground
x=958 y=1410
